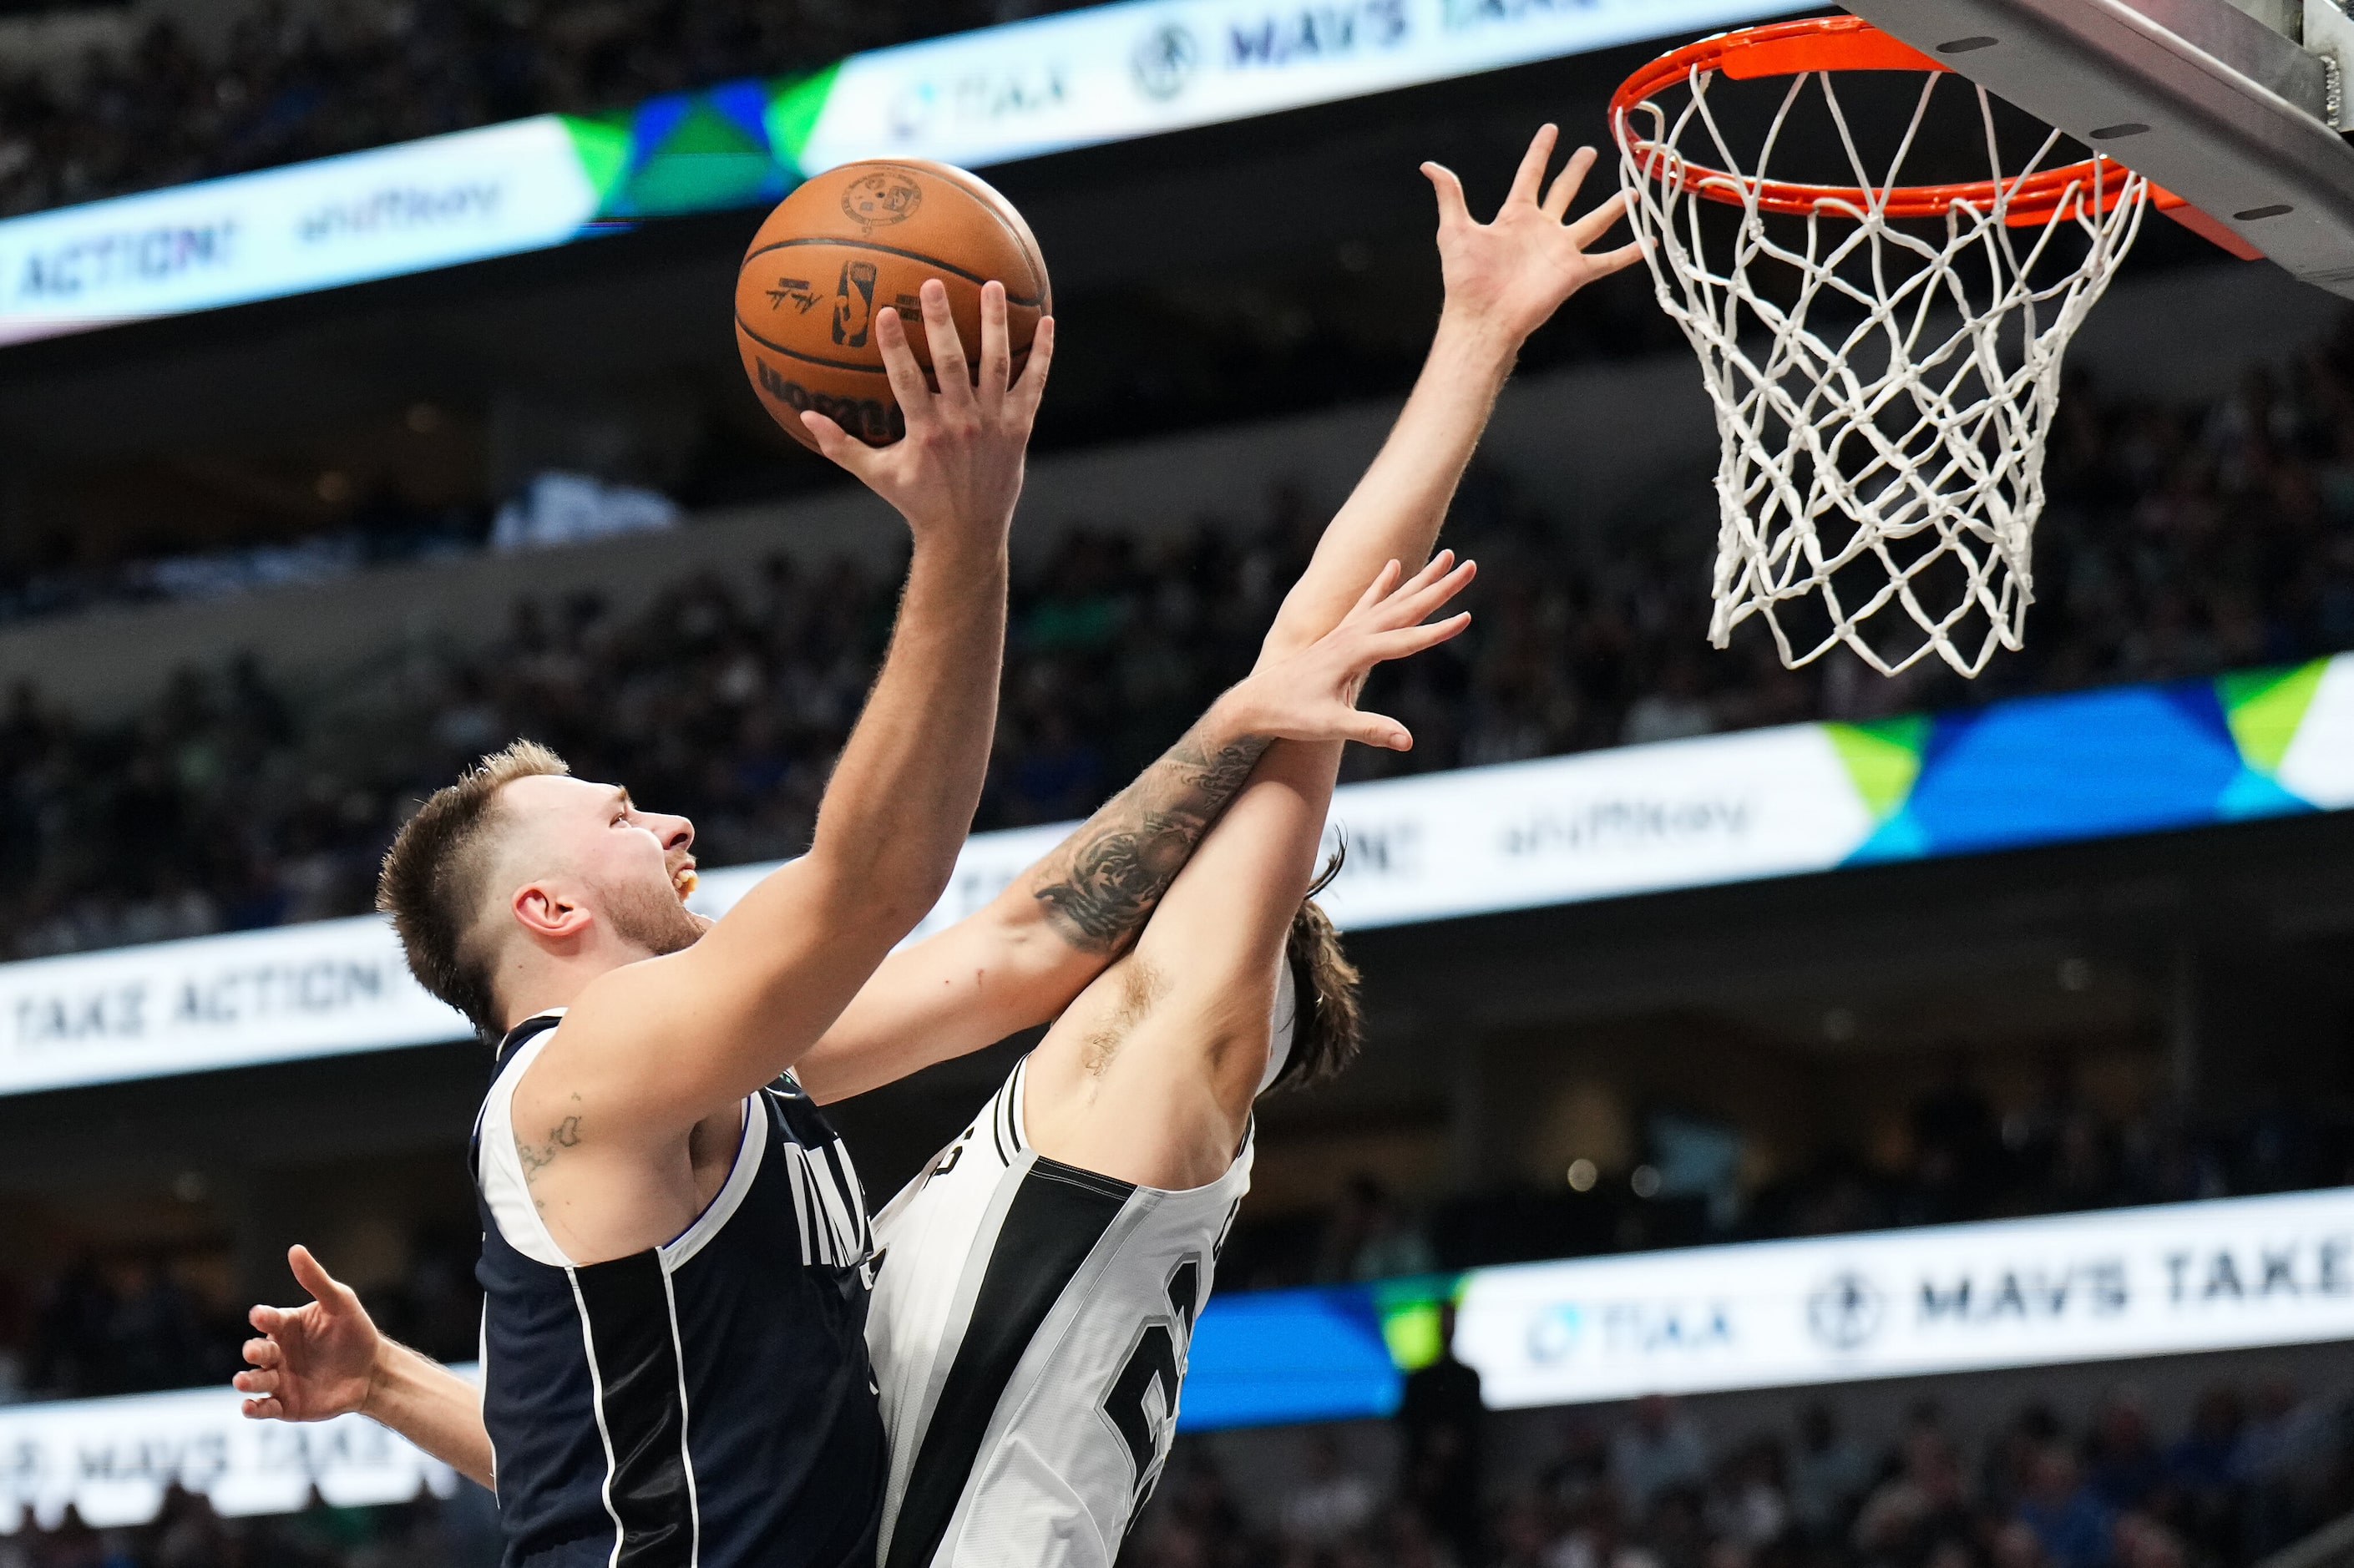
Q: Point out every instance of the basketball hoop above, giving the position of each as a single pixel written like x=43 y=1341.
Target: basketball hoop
x=1923 y=474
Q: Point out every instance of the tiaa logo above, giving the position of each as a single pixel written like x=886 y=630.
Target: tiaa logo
x=1554 y=1331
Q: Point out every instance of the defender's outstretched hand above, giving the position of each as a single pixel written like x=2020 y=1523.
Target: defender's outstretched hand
x=959 y=465
x=312 y=1363
x=1515 y=272
x=1312 y=694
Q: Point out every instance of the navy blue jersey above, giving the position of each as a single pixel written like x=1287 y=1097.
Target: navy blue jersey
x=706 y=1402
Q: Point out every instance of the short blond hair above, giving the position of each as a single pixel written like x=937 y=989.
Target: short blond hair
x=435 y=875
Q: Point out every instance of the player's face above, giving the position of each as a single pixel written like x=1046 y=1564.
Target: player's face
x=632 y=868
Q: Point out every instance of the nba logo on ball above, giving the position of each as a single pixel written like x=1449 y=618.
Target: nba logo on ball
x=817 y=278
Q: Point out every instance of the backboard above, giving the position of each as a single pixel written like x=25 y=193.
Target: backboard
x=2237 y=106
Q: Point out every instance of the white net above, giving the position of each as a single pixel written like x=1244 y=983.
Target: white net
x=1883 y=385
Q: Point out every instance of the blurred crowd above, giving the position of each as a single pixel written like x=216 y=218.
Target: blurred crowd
x=2180 y=541
x=289 y=83
x=430 y=1532
x=1962 y=1159
x=160 y=1319
x=1655 y=1485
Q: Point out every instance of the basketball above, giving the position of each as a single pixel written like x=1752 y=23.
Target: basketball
x=862 y=239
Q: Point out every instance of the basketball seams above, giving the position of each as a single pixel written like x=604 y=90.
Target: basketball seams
x=1026 y=301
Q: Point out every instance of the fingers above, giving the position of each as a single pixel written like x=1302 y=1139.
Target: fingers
x=1618 y=260
x=324 y=1288
x=1406 y=642
x=996 y=352
x=949 y=367
x=1381 y=730
x=1433 y=587
x=268 y=1320
x=1377 y=590
x=1531 y=174
x=1565 y=183
x=264 y=1410
x=1032 y=387
x=838 y=444
x=265 y=1353
x=907 y=384
x=1598 y=222
x=255 y=1382
x=1453 y=211
x=1437 y=566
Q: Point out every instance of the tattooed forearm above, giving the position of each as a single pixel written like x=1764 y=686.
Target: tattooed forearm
x=1100 y=886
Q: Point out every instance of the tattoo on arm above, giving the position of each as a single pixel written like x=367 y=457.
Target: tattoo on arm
x=1099 y=887
x=537 y=1158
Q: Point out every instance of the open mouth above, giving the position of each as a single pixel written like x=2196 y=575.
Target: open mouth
x=682 y=881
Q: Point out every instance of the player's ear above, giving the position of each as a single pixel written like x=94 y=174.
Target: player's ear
x=549 y=915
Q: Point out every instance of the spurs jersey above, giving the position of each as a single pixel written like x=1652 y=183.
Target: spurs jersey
x=1029 y=1330
x=704 y=1402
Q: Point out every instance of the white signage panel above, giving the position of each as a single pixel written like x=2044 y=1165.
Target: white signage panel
x=1115 y=71
x=2168 y=1280
x=433 y=203
x=111 y=1459
x=1766 y=803
x=214 y=1001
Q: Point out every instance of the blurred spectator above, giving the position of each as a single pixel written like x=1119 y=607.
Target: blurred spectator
x=2070 y=1520
x=1655 y=1452
x=1829 y=1476
x=1333 y=1502
x=1370 y=1236
x=1919 y=1516
x=1445 y=1426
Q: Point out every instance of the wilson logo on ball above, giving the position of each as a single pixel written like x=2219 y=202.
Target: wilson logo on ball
x=876 y=201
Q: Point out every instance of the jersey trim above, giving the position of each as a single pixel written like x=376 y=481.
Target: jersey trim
x=1056 y=1219
x=632 y=1326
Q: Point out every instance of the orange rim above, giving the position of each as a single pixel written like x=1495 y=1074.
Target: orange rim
x=1842 y=44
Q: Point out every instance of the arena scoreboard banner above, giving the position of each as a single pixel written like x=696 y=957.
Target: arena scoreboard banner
x=1078 y=78
x=2231 y=1274
x=1478 y=841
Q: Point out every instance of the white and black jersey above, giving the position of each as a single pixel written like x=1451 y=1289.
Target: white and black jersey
x=1029 y=1329
x=704 y=1402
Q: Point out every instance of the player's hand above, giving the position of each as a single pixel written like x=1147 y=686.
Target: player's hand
x=1511 y=275
x=958 y=470
x=314 y=1362
x=1312 y=694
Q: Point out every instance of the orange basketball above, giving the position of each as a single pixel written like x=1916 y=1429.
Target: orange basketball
x=860 y=240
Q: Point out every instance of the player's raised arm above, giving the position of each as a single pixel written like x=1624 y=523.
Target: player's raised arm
x=651 y=1048
x=1021 y=959
x=1504 y=280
